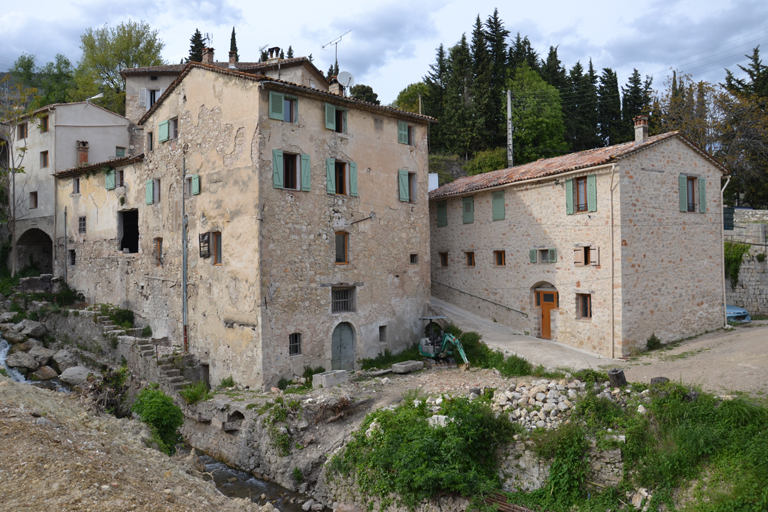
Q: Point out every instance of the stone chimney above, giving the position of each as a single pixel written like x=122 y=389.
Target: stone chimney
x=232 y=60
x=334 y=87
x=641 y=128
x=274 y=54
x=82 y=153
x=207 y=55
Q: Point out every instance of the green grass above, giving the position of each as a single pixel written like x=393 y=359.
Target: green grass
x=387 y=358
x=228 y=382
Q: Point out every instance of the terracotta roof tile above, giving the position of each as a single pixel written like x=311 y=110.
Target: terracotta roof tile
x=557 y=165
x=245 y=67
x=115 y=162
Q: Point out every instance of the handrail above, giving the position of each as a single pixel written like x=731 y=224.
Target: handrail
x=481 y=298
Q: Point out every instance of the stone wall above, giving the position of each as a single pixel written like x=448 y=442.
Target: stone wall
x=751 y=293
x=742 y=216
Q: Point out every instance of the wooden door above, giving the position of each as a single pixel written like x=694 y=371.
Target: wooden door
x=547 y=301
x=343 y=348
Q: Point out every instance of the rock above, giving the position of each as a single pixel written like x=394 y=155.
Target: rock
x=44 y=373
x=562 y=406
x=472 y=396
x=268 y=508
x=22 y=360
x=540 y=424
x=63 y=360
x=76 y=376
x=41 y=354
x=7 y=317
x=407 y=366
x=317 y=507
x=33 y=329
x=43 y=422
x=385 y=380
x=302 y=425
x=13 y=337
x=303 y=488
x=641 y=409
x=6 y=326
x=476 y=391
x=659 y=381
x=307 y=505
x=438 y=420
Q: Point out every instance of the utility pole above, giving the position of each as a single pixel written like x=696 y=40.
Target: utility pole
x=510 y=161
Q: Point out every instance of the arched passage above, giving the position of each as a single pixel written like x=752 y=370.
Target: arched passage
x=545 y=298
x=343 y=347
x=34 y=247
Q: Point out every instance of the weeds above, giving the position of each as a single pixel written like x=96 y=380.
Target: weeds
x=298 y=476
x=653 y=343
x=229 y=382
x=193 y=393
x=146 y=332
x=164 y=418
x=387 y=358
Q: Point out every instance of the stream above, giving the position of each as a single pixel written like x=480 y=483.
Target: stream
x=13 y=373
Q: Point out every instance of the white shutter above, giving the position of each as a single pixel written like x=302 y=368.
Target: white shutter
x=578 y=256
x=160 y=93
x=594 y=255
x=143 y=98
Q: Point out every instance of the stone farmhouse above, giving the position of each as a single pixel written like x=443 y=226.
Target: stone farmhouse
x=298 y=216
x=597 y=250
x=57 y=137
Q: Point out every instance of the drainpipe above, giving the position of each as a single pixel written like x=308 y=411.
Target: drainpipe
x=613 y=251
x=66 y=252
x=184 y=254
x=722 y=250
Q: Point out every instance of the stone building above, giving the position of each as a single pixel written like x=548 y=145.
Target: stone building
x=306 y=219
x=57 y=137
x=597 y=250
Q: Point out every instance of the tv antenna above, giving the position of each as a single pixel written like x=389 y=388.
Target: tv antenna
x=209 y=38
x=335 y=43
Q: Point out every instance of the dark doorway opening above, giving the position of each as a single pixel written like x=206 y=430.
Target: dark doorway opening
x=128 y=224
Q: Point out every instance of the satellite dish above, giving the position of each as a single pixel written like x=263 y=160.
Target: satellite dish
x=346 y=79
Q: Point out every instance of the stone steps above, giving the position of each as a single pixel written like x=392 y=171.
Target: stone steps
x=119 y=332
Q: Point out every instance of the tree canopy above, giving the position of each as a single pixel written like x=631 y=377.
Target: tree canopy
x=408 y=98
x=196 y=45
x=364 y=93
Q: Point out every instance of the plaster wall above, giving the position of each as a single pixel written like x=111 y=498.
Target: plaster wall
x=135 y=83
x=35 y=178
x=104 y=131
x=301 y=75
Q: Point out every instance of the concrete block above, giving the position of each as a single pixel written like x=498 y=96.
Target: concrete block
x=407 y=366
x=329 y=379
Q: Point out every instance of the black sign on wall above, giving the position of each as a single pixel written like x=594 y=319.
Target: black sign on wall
x=205 y=245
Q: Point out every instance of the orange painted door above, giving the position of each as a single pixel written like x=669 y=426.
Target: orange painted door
x=547 y=300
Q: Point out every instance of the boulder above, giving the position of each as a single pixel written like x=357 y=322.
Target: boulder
x=307 y=504
x=28 y=345
x=33 y=329
x=76 y=376
x=13 y=337
x=407 y=366
x=22 y=360
x=44 y=373
x=41 y=354
x=7 y=317
x=63 y=360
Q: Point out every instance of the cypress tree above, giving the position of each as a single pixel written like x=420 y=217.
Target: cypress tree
x=233 y=45
x=496 y=36
x=609 y=108
x=290 y=52
x=196 y=47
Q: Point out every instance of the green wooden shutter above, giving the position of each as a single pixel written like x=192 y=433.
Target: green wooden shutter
x=498 y=205
x=682 y=182
x=330 y=175
x=402 y=132
x=532 y=256
x=442 y=214
x=276 y=105
x=163 y=131
x=552 y=255
x=469 y=210
x=109 y=180
x=330 y=116
x=702 y=195
x=353 y=179
x=150 y=196
x=277 y=168
x=592 y=192
x=569 y=196
x=195 y=184
x=402 y=180
x=306 y=173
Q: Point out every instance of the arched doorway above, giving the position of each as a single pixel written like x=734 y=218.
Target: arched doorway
x=546 y=298
x=35 y=248
x=343 y=347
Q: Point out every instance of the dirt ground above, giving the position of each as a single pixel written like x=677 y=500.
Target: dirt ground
x=723 y=362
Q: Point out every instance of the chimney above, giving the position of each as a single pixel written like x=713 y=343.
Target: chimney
x=82 y=153
x=335 y=87
x=232 y=60
x=207 y=55
x=641 y=128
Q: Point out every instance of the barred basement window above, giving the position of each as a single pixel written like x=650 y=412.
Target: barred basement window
x=72 y=257
x=414 y=259
x=342 y=299
x=294 y=344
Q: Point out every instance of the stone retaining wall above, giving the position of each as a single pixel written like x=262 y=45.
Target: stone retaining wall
x=751 y=292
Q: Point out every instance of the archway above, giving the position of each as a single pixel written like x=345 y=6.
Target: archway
x=343 y=347
x=545 y=298
x=35 y=248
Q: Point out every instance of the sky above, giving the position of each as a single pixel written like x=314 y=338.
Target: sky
x=393 y=42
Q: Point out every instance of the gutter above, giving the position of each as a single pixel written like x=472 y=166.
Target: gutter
x=722 y=250
x=613 y=273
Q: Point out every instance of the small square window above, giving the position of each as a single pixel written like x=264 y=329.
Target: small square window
x=294 y=344
x=216 y=247
x=44 y=124
x=32 y=200
x=119 y=152
x=81 y=225
x=500 y=257
x=158 y=252
x=443 y=259
x=414 y=259
x=470 y=259
x=382 y=334
x=584 y=305
x=43 y=159
x=153 y=79
x=342 y=248
x=72 y=257
x=76 y=186
x=343 y=299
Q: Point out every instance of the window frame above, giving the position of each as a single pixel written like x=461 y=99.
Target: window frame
x=296 y=171
x=414 y=258
x=341 y=183
x=44 y=160
x=72 y=258
x=345 y=240
x=75 y=185
x=33 y=200
x=500 y=256
x=578 y=206
x=150 y=142
x=118 y=151
x=44 y=123
x=156 y=182
x=294 y=344
x=173 y=128
x=691 y=182
x=120 y=178
x=350 y=300
x=335 y=126
x=22 y=130
x=158 y=251
x=413 y=187
x=82 y=225
x=469 y=258
x=584 y=304
x=382 y=334
x=217 y=249
x=443 y=259
x=152 y=97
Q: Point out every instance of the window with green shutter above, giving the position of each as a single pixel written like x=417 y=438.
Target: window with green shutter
x=498 y=206
x=682 y=182
x=195 y=184
x=702 y=195
x=335 y=118
x=276 y=105
x=569 y=196
x=353 y=179
x=163 y=131
x=442 y=214
x=402 y=132
x=592 y=193
x=306 y=173
x=150 y=193
x=330 y=175
x=469 y=210
x=109 y=179
x=552 y=255
x=402 y=184
x=533 y=256
x=277 y=168
x=330 y=117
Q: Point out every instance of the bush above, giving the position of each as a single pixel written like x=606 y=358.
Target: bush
x=164 y=418
x=309 y=372
x=298 y=476
x=229 y=382
x=193 y=393
x=283 y=383
x=387 y=359
x=734 y=254
x=761 y=257
x=487 y=161
x=122 y=317
x=146 y=332
x=654 y=343
x=482 y=356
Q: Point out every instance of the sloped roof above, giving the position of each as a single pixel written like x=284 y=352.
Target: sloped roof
x=329 y=96
x=113 y=163
x=559 y=165
x=245 y=67
x=53 y=106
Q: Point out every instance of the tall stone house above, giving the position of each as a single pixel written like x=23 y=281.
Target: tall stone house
x=597 y=250
x=57 y=137
x=305 y=215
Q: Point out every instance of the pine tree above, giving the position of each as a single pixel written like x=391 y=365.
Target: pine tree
x=609 y=108
x=456 y=128
x=233 y=45
x=553 y=72
x=483 y=117
x=635 y=101
x=434 y=100
x=496 y=36
x=196 y=47
x=290 y=52
x=757 y=85
x=521 y=51
x=282 y=55
x=264 y=57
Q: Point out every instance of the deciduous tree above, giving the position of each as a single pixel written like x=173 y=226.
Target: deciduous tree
x=364 y=93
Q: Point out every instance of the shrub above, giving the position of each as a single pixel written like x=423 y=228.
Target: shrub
x=487 y=161
x=283 y=383
x=193 y=393
x=146 y=332
x=654 y=343
x=164 y=418
x=734 y=254
x=387 y=358
x=298 y=476
x=761 y=257
x=34 y=316
x=229 y=382
x=122 y=317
